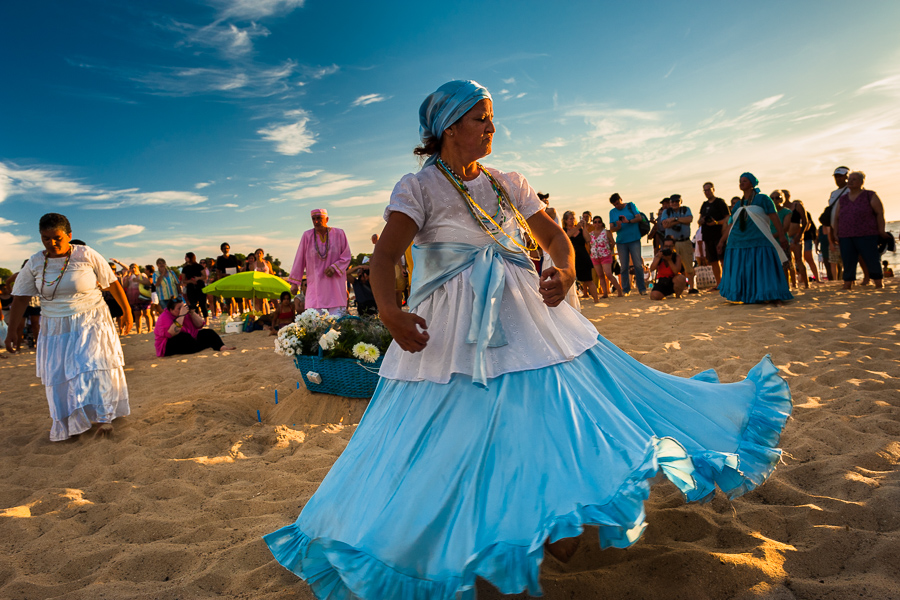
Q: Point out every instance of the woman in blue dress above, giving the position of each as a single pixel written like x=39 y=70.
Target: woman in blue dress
x=502 y=423
x=753 y=271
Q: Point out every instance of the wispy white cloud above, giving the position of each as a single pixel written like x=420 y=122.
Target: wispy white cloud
x=324 y=190
x=240 y=80
x=203 y=184
x=320 y=72
x=51 y=185
x=6 y=222
x=15 y=180
x=888 y=84
x=509 y=81
x=167 y=197
x=315 y=184
x=229 y=206
x=255 y=9
x=290 y=138
x=765 y=103
x=381 y=197
x=119 y=231
x=228 y=38
x=368 y=99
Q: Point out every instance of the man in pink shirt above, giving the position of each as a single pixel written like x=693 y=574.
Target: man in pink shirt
x=325 y=255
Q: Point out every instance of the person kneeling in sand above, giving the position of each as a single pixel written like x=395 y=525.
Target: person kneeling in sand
x=179 y=331
x=670 y=277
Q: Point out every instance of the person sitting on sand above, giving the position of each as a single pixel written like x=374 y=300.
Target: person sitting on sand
x=669 y=269
x=888 y=272
x=284 y=313
x=179 y=331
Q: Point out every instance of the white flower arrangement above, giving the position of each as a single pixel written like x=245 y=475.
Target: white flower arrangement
x=366 y=352
x=312 y=318
x=329 y=339
x=365 y=339
x=290 y=340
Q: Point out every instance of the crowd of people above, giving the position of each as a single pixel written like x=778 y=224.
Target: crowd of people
x=761 y=245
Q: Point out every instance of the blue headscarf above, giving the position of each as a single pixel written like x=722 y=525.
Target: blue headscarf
x=446 y=106
x=752 y=178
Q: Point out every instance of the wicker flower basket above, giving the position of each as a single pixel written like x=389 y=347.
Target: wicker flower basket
x=346 y=377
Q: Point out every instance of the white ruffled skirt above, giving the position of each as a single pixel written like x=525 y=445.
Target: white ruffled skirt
x=79 y=361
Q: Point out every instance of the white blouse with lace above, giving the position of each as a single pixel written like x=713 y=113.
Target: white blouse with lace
x=538 y=335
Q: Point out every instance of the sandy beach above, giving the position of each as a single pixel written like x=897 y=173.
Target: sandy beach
x=175 y=503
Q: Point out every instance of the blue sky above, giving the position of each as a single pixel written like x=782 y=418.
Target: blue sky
x=170 y=126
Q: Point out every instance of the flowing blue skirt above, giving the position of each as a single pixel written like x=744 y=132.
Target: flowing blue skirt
x=443 y=483
x=753 y=275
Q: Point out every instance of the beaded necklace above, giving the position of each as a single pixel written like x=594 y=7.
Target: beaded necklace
x=481 y=216
x=55 y=281
x=322 y=253
x=461 y=185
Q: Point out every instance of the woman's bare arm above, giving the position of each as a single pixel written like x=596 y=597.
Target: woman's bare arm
x=398 y=234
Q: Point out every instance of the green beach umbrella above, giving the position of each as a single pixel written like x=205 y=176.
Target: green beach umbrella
x=250 y=284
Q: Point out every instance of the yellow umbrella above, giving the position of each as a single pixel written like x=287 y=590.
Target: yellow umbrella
x=250 y=284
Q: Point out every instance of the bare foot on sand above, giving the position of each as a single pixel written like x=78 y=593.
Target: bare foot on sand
x=563 y=550
x=105 y=430
x=224 y=348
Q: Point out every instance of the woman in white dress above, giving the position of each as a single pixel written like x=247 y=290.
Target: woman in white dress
x=502 y=421
x=79 y=357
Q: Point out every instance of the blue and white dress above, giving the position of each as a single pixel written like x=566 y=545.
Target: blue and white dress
x=516 y=424
x=752 y=271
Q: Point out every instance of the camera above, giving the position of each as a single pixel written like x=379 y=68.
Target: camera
x=667 y=251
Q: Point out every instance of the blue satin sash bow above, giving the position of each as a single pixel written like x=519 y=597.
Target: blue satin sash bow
x=436 y=263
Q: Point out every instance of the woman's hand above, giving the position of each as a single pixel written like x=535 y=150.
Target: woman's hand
x=405 y=328
x=183 y=310
x=554 y=285
x=12 y=341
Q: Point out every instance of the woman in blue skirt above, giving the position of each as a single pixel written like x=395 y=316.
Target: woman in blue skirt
x=502 y=423
x=753 y=271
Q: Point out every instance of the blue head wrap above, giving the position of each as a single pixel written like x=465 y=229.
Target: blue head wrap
x=446 y=106
x=752 y=178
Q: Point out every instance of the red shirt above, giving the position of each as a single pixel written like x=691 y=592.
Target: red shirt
x=662 y=268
